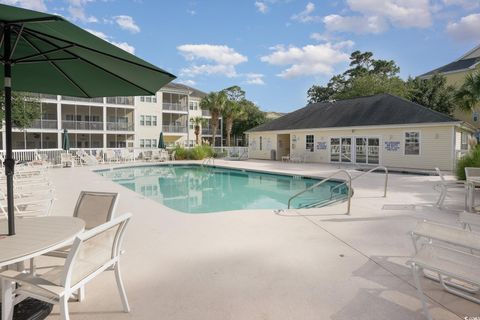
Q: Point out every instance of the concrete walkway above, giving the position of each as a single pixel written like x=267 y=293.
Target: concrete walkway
x=297 y=264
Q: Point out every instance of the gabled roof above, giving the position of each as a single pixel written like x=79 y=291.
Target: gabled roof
x=182 y=87
x=377 y=110
x=465 y=62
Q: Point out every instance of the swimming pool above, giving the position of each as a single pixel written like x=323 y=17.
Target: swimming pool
x=202 y=189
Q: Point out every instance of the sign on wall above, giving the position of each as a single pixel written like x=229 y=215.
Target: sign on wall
x=321 y=145
x=392 y=146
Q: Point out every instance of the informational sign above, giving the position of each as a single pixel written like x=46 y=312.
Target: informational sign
x=392 y=146
x=321 y=145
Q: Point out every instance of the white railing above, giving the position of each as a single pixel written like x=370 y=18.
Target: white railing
x=232 y=152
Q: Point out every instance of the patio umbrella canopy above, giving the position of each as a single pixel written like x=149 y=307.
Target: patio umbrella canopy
x=44 y=53
x=65 y=141
x=161 y=142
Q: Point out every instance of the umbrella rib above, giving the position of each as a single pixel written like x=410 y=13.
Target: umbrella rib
x=45 y=60
x=102 y=53
x=57 y=68
x=34 y=20
x=19 y=35
x=94 y=64
x=41 y=54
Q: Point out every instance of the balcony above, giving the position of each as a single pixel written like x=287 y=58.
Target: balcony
x=82 y=125
x=120 y=126
x=79 y=99
x=129 y=101
x=174 y=129
x=174 y=107
x=44 y=124
x=206 y=113
x=208 y=131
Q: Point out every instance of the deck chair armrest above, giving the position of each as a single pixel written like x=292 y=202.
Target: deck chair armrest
x=27 y=279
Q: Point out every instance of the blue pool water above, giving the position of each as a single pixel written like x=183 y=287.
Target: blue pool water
x=198 y=189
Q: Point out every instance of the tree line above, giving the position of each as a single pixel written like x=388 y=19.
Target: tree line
x=368 y=76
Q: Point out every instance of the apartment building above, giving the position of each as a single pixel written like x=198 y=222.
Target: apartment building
x=116 y=122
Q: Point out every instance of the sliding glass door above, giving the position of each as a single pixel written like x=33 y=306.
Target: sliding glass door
x=362 y=150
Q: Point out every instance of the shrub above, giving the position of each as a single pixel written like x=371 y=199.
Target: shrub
x=471 y=159
x=196 y=153
x=181 y=153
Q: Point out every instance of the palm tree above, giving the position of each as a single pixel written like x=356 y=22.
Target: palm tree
x=468 y=96
x=232 y=111
x=198 y=123
x=214 y=102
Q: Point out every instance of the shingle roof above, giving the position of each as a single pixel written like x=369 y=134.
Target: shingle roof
x=380 y=109
x=181 y=87
x=454 y=66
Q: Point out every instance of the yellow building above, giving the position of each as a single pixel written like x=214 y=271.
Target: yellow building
x=455 y=73
x=376 y=130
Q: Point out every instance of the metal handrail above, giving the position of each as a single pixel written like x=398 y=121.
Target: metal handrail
x=349 y=181
x=370 y=171
x=208 y=160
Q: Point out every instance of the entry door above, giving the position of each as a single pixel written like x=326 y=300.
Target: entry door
x=361 y=150
x=373 y=150
x=335 y=149
x=346 y=150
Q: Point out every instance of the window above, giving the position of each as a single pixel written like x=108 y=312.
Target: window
x=149 y=99
x=148 y=120
x=154 y=120
x=142 y=120
x=148 y=143
x=191 y=126
x=261 y=143
x=142 y=99
x=193 y=105
x=142 y=143
x=154 y=143
x=309 y=142
x=412 y=143
x=464 y=141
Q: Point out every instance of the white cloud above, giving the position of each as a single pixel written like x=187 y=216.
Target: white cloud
x=308 y=60
x=306 y=14
x=261 y=6
x=254 y=78
x=127 y=23
x=188 y=82
x=466 y=29
x=76 y=9
x=220 y=54
x=38 y=5
x=209 y=69
x=122 y=45
x=355 y=24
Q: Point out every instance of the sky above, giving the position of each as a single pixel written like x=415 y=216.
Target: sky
x=275 y=49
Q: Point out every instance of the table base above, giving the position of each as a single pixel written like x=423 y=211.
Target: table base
x=31 y=309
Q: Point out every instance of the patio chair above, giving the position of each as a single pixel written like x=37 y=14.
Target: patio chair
x=286 y=158
x=468 y=219
x=35 y=205
x=471 y=173
x=92 y=253
x=458 y=271
x=444 y=186
x=172 y=155
x=67 y=158
x=127 y=155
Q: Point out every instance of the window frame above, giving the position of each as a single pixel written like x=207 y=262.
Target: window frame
x=142 y=120
x=419 y=143
x=311 y=144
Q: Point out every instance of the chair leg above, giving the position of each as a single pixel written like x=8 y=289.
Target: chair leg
x=64 y=308
x=121 y=288
x=416 y=279
x=81 y=294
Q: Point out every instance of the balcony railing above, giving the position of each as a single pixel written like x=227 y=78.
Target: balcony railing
x=79 y=99
x=174 y=106
x=41 y=96
x=120 y=126
x=121 y=100
x=82 y=125
x=206 y=113
x=174 y=129
x=44 y=124
x=208 y=131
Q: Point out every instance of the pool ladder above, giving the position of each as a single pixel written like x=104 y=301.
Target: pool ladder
x=347 y=183
x=209 y=160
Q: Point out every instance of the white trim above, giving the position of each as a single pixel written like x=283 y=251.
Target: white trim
x=454 y=150
x=419 y=143
x=469 y=53
x=393 y=126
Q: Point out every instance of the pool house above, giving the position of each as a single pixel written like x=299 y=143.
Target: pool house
x=376 y=130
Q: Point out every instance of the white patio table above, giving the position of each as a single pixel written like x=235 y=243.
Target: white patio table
x=34 y=237
x=471 y=184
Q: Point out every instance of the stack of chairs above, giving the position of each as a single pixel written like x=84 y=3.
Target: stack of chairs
x=34 y=192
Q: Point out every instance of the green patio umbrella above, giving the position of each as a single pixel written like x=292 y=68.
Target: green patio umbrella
x=44 y=53
x=65 y=141
x=161 y=143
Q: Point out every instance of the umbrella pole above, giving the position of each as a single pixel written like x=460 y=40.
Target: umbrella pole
x=9 y=162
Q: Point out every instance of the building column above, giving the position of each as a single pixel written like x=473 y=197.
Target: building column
x=104 y=110
x=104 y=140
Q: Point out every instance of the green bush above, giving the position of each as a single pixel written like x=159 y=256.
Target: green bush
x=471 y=159
x=196 y=153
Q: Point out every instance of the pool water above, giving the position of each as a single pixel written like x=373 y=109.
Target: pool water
x=203 y=189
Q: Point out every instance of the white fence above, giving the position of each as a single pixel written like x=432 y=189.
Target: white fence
x=54 y=155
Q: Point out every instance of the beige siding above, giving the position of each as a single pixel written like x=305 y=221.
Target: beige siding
x=436 y=145
x=269 y=142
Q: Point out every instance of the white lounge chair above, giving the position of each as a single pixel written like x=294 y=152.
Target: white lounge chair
x=468 y=219
x=286 y=158
x=172 y=155
x=92 y=252
x=458 y=271
x=67 y=159
x=445 y=185
x=471 y=173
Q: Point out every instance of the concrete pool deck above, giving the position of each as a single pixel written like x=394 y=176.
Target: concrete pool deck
x=256 y=264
